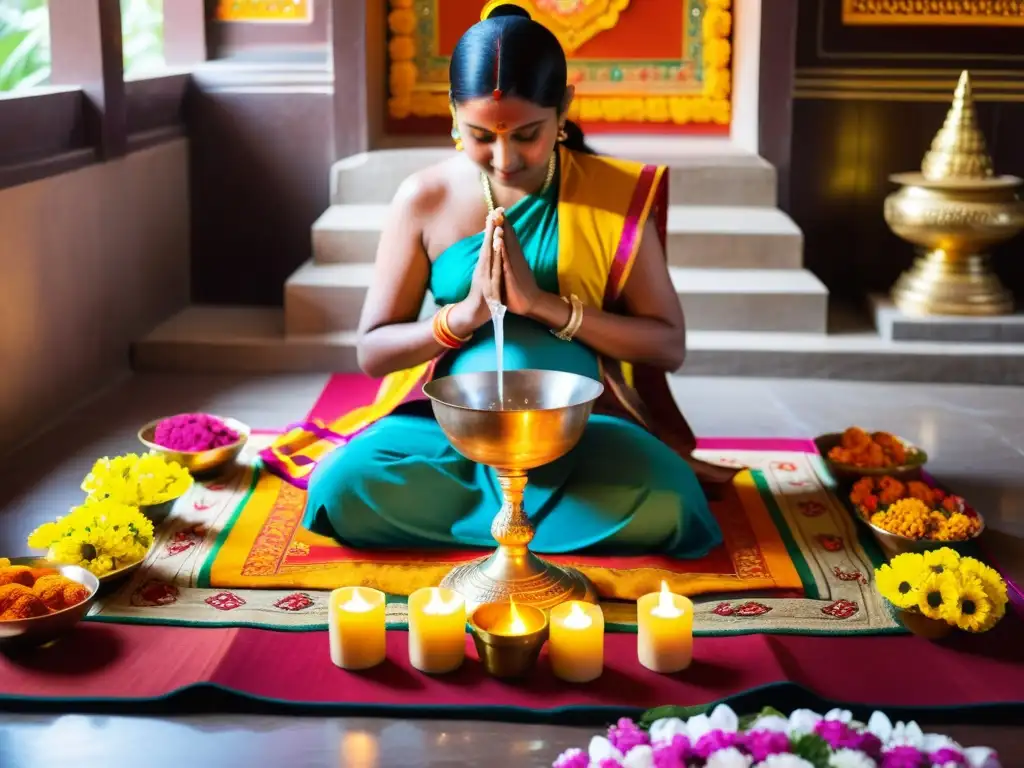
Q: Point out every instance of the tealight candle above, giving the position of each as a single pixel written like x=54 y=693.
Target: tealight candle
x=437 y=630
x=355 y=624
x=576 y=641
x=664 y=638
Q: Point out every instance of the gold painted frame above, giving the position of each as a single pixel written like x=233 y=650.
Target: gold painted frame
x=987 y=13
x=712 y=105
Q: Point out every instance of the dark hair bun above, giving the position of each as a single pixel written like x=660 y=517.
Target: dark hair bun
x=508 y=9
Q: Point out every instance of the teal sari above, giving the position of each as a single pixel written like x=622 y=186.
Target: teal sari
x=400 y=484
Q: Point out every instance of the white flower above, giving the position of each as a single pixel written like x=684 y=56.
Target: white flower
x=784 y=761
x=664 y=730
x=881 y=726
x=775 y=723
x=697 y=726
x=802 y=722
x=724 y=719
x=641 y=756
x=850 y=758
x=933 y=742
x=906 y=735
x=842 y=715
x=601 y=749
x=982 y=757
x=728 y=758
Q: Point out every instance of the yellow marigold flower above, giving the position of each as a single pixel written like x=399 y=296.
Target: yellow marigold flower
x=938 y=595
x=945 y=559
x=899 y=581
x=972 y=609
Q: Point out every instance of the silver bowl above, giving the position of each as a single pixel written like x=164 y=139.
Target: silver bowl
x=43 y=629
x=199 y=462
x=894 y=544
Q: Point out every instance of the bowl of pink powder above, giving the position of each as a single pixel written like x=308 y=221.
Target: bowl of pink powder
x=200 y=442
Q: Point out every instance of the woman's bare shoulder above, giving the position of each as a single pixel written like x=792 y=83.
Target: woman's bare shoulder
x=426 y=192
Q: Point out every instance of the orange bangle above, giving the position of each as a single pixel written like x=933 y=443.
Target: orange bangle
x=445 y=311
x=443 y=334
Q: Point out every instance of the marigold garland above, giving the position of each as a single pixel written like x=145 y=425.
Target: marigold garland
x=961 y=591
x=914 y=509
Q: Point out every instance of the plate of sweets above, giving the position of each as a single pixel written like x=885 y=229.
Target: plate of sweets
x=41 y=600
x=913 y=516
x=200 y=442
x=856 y=453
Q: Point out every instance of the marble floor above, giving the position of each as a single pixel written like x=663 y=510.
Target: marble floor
x=974 y=436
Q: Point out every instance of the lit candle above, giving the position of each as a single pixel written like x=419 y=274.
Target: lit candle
x=576 y=643
x=437 y=630
x=512 y=624
x=664 y=639
x=355 y=624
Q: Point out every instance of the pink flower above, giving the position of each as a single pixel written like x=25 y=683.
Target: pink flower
x=674 y=753
x=761 y=744
x=572 y=758
x=713 y=741
x=625 y=735
x=904 y=757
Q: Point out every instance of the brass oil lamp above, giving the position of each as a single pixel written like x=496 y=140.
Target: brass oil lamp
x=955 y=209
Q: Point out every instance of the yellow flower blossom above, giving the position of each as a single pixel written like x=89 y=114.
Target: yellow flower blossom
x=137 y=480
x=940 y=560
x=899 y=582
x=972 y=609
x=938 y=595
x=102 y=535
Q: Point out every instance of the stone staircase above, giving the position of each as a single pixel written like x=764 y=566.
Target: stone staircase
x=736 y=262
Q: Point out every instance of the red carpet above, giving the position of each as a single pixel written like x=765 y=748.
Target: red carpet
x=127 y=665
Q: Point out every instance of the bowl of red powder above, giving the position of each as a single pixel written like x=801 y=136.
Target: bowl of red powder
x=200 y=442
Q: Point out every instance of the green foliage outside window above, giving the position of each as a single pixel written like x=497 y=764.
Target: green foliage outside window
x=25 y=40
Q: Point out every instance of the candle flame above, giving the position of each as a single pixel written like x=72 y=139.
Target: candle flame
x=577 y=619
x=666 y=608
x=437 y=606
x=516 y=625
x=357 y=603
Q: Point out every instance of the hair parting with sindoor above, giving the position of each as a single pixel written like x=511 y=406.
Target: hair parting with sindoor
x=511 y=53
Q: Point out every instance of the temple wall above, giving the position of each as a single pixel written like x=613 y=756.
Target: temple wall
x=91 y=260
x=871 y=92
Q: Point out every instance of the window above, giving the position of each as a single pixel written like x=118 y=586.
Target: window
x=24 y=44
x=142 y=33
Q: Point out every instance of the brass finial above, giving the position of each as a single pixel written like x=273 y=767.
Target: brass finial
x=958 y=150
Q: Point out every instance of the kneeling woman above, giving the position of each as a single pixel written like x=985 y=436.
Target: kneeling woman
x=576 y=244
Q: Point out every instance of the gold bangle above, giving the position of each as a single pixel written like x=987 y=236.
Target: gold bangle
x=575 y=319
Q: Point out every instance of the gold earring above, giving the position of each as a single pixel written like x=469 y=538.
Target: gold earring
x=456 y=137
x=562 y=135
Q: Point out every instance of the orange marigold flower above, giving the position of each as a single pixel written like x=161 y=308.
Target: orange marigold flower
x=16 y=574
x=921 y=491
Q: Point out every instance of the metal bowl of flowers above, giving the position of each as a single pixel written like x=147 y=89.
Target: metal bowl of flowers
x=856 y=453
x=914 y=516
x=202 y=443
x=40 y=600
x=103 y=535
x=151 y=482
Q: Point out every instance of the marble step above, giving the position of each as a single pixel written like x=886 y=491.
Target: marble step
x=232 y=339
x=323 y=298
x=720 y=237
x=701 y=172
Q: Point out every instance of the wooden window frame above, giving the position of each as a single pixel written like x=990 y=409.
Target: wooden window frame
x=89 y=112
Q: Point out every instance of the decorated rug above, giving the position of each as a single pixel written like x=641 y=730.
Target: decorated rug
x=119 y=668
x=232 y=554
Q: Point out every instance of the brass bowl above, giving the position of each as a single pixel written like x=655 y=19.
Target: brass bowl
x=894 y=544
x=544 y=415
x=848 y=474
x=199 y=462
x=506 y=655
x=43 y=629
